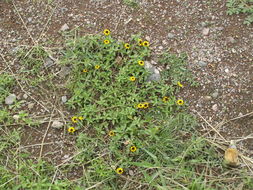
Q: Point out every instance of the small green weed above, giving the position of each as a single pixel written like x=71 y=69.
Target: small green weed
x=5 y=117
x=176 y=69
x=241 y=6
x=33 y=69
x=131 y=3
x=6 y=83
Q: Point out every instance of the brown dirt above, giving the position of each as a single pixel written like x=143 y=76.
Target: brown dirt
x=229 y=67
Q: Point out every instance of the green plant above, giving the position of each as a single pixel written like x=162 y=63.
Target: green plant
x=34 y=70
x=5 y=117
x=6 y=83
x=131 y=3
x=120 y=109
x=18 y=171
x=241 y=6
x=176 y=69
x=127 y=131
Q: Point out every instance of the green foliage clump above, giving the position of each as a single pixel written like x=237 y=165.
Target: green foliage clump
x=241 y=6
x=33 y=68
x=114 y=119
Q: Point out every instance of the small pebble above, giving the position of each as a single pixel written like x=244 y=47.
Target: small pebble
x=207 y=98
x=131 y=172
x=57 y=124
x=215 y=107
x=205 y=31
x=16 y=117
x=65 y=157
x=215 y=94
x=64 y=28
x=231 y=40
x=10 y=99
x=148 y=38
x=30 y=19
x=48 y=62
x=30 y=106
x=25 y=96
x=202 y=63
x=64 y=99
x=170 y=35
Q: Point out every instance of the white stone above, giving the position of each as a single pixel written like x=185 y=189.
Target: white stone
x=10 y=99
x=16 y=117
x=170 y=35
x=64 y=27
x=65 y=156
x=148 y=38
x=215 y=107
x=25 y=96
x=205 y=31
x=155 y=74
x=64 y=99
x=57 y=124
x=30 y=106
x=207 y=98
x=230 y=39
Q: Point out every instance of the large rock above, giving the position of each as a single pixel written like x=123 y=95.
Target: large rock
x=155 y=73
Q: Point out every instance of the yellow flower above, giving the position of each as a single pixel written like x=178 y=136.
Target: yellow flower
x=80 y=118
x=132 y=78
x=127 y=45
x=146 y=43
x=85 y=70
x=106 y=41
x=180 y=102
x=145 y=105
x=119 y=170
x=74 y=119
x=141 y=63
x=140 y=43
x=111 y=133
x=71 y=129
x=133 y=148
x=179 y=84
x=107 y=32
x=97 y=66
x=140 y=105
x=166 y=99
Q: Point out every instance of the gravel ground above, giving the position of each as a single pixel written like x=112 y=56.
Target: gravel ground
x=219 y=48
